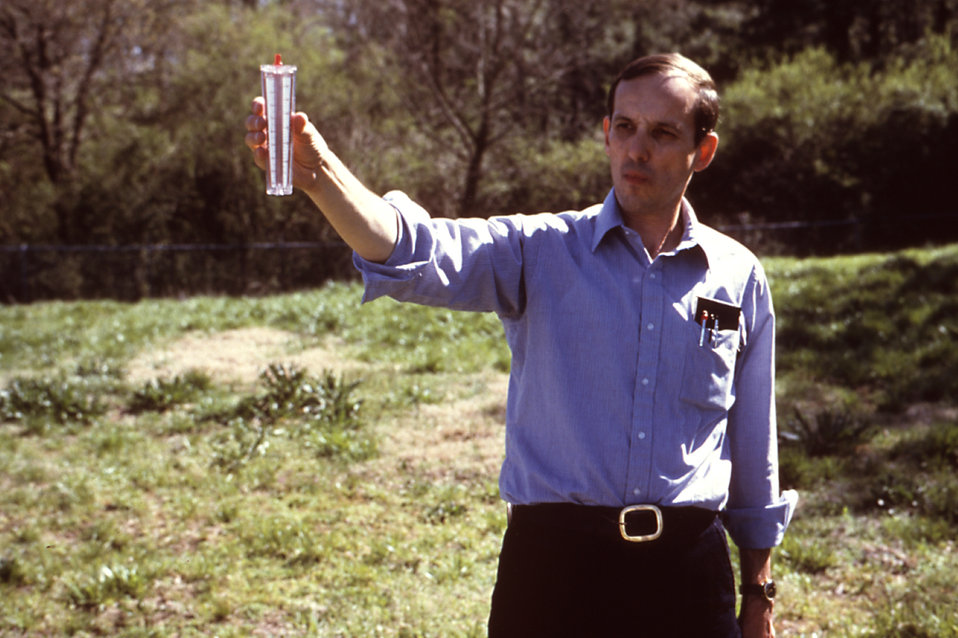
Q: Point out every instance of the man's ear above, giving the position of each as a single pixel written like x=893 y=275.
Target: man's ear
x=705 y=151
x=606 y=125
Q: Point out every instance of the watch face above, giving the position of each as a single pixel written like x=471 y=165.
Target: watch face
x=770 y=589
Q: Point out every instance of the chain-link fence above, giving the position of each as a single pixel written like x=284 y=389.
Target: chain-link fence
x=39 y=272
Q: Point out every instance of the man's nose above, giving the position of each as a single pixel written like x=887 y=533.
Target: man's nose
x=639 y=146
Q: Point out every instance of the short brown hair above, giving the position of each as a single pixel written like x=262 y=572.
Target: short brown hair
x=706 y=111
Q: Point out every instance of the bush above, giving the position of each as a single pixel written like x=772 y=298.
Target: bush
x=813 y=140
x=159 y=395
x=58 y=400
x=321 y=412
x=829 y=431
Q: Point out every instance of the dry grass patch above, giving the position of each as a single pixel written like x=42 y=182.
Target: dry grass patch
x=237 y=356
x=458 y=438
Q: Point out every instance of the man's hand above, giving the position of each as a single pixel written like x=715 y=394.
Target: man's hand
x=756 y=617
x=363 y=219
x=309 y=147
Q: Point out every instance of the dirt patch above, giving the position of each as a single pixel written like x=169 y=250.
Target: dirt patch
x=235 y=356
x=455 y=440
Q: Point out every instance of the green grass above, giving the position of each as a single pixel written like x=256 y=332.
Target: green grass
x=881 y=326
x=362 y=501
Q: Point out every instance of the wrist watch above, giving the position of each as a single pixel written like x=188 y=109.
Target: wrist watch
x=765 y=589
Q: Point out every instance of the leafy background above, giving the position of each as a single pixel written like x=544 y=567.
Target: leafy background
x=123 y=123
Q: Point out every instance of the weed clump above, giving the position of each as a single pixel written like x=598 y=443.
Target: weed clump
x=106 y=584
x=827 y=432
x=60 y=400
x=159 y=395
x=320 y=412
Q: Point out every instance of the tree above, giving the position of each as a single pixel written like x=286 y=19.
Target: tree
x=67 y=58
x=853 y=30
x=474 y=74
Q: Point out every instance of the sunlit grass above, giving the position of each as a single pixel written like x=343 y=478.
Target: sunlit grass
x=192 y=504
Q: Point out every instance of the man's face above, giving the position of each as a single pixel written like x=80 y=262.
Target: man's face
x=650 y=141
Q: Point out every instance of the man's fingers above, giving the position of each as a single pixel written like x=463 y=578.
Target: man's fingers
x=298 y=122
x=255 y=123
x=255 y=140
x=260 y=157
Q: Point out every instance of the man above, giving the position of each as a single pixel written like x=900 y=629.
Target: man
x=640 y=413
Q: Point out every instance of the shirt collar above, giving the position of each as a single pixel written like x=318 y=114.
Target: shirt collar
x=694 y=235
x=609 y=217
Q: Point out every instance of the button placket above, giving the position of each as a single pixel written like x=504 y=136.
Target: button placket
x=651 y=311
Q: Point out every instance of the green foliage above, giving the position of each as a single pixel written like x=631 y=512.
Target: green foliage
x=159 y=395
x=108 y=583
x=808 y=138
x=121 y=528
x=59 y=401
x=809 y=554
x=849 y=30
x=919 y=475
x=883 y=325
x=829 y=431
x=549 y=175
x=797 y=470
x=818 y=96
x=283 y=537
x=431 y=340
x=935 y=448
x=321 y=413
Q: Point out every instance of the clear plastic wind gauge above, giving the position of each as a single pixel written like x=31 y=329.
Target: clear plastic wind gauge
x=279 y=90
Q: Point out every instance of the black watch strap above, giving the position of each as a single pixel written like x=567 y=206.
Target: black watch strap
x=766 y=590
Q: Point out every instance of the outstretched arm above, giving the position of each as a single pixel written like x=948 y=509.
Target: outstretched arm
x=367 y=223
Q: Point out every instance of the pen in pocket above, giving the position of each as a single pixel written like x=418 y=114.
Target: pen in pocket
x=705 y=319
x=715 y=316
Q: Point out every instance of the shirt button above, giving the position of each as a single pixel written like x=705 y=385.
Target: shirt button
x=645 y=381
x=636 y=491
x=651 y=275
x=641 y=435
x=650 y=326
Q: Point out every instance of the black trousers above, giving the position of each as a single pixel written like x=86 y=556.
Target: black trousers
x=582 y=581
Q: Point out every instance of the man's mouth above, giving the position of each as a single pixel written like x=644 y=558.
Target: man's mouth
x=635 y=177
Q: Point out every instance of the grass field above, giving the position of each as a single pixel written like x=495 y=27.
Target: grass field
x=301 y=465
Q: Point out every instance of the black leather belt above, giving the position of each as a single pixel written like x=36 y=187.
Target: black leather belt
x=634 y=523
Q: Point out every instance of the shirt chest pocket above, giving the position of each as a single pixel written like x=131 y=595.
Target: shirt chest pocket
x=708 y=369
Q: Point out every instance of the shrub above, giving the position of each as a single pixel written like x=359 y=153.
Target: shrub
x=809 y=138
x=159 y=395
x=829 y=431
x=321 y=412
x=60 y=400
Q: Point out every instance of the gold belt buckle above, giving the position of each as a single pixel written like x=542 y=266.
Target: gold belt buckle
x=640 y=538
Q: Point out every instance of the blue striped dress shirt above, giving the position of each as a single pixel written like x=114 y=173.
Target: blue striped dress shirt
x=614 y=398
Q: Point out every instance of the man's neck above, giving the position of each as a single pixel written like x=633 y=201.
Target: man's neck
x=660 y=232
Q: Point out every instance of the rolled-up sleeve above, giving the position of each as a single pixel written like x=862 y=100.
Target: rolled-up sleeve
x=758 y=513
x=462 y=264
